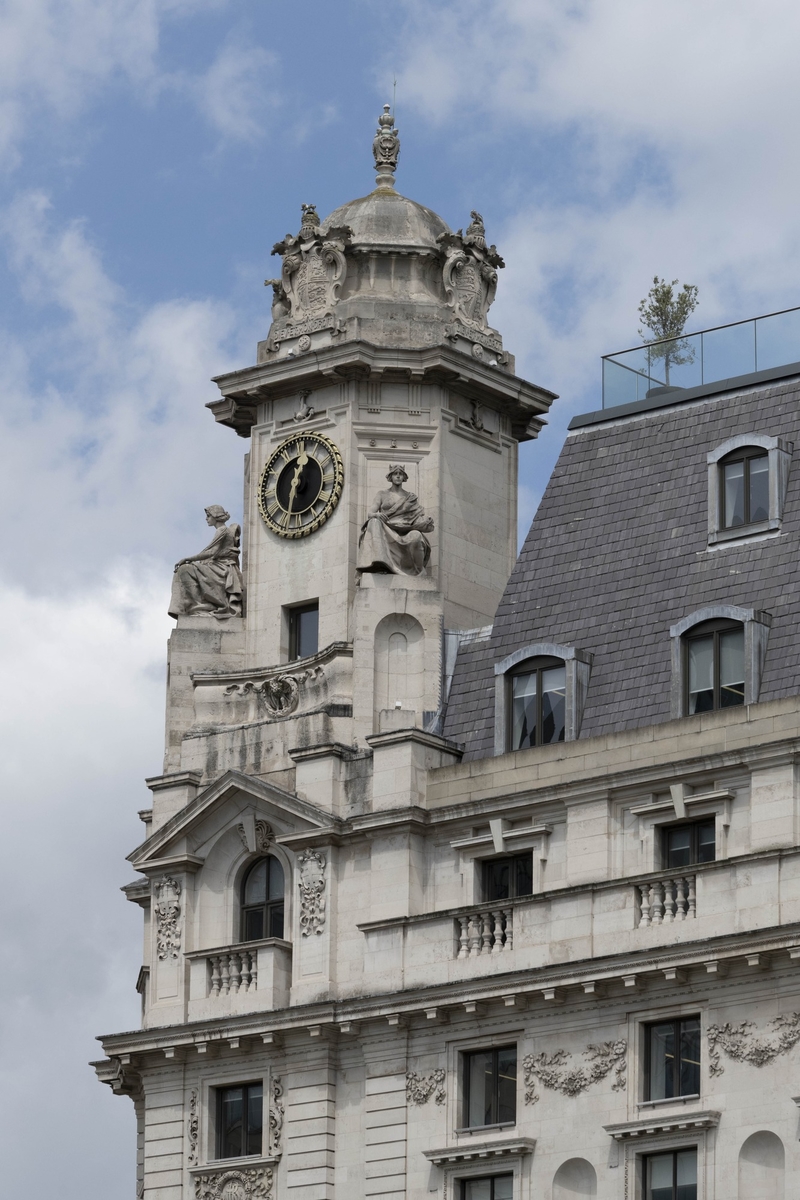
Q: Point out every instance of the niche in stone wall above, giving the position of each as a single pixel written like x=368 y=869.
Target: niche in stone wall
x=762 y=1167
x=399 y=672
x=576 y=1177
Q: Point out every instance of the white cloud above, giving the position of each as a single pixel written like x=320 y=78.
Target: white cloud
x=234 y=94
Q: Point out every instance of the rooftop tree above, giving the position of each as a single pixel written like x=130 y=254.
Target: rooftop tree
x=664 y=312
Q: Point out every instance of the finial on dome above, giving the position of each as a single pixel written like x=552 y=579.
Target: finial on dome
x=386 y=148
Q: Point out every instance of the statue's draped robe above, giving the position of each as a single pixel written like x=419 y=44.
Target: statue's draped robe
x=392 y=538
x=212 y=582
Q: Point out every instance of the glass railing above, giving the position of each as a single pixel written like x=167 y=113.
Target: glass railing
x=705 y=357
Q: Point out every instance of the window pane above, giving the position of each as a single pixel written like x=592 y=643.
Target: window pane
x=701 y=674
x=706 y=841
x=255 y=889
x=659 y=1177
x=254 y=1118
x=275 y=891
x=507 y=1084
x=733 y=493
x=276 y=920
x=479 y=1088
x=662 y=1061
x=503 y=1187
x=253 y=924
x=477 y=1189
x=496 y=879
x=230 y=1139
x=759 y=488
x=307 y=636
x=523 y=711
x=554 y=684
x=731 y=668
x=686 y=1173
x=690 y=1057
x=679 y=846
x=523 y=871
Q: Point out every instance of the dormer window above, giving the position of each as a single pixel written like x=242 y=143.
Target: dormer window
x=263 y=900
x=715 y=666
x=744 y=487
x=538 y=703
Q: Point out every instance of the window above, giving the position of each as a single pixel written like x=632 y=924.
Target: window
x=262 y=900
x=538 y=703
x=715 y=666
x=239 y=1120
x=490 y=1087
x=685 y=845
x=672 y=1059
x=488 y=1187
x=504 y=878
x=744 y=487
x=671 y=1176
x=303 y=631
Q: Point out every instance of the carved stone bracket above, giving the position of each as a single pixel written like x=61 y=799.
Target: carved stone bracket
x=553 y=1072
x=253 y=1184
x=312 y=892
x=280 y=694
x=194 y=1125
x=276 y=1113
x=470 y=273
x=168 y=911
x=741 y=1045
x=420 y=1088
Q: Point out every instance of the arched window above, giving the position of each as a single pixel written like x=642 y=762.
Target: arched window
x=537 y=703
x=744 y=487
x=262 y=900
x=715 y=674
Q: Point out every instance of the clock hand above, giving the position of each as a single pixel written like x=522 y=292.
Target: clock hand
x=301 y=462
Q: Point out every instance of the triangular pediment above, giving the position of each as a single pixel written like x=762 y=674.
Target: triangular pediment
x=188 y=835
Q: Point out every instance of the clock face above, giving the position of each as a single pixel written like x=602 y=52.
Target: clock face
x=300 y=486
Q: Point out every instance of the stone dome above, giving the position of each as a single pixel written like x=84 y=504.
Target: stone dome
x=385 y=220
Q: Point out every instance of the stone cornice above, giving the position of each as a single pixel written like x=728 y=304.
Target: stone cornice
x=333 y=650
x=655 y=1126
x=483 y=1151
x=393 y=737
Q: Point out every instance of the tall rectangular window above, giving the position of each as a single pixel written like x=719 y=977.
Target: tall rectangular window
x=671 y=1176
x=303 y=631
x=240 y=1120
x=490 y=1087
x=715 y=675
x=538 y=703
x=672 y=1059
x=488 y=1187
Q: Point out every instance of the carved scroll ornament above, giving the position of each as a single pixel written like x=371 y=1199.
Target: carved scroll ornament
x=420 y=1088
x=314 y=268
x=312 y=892
x=255 y=1184
x=469 y=273
x=168 y=911
x=280 y=694
x=553 y=1072
x=194 y=1126
x=740 y=1044
x=276 y=1113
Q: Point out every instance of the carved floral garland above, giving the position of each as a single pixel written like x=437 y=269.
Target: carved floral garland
x=255 y=1184
x=312 y=888
x=420 y=1088
x=739 y=1043
x=276 y=1117
x=551 y=1070
x=193 y=1127
x=168 y=911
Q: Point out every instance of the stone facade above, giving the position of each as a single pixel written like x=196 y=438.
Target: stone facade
x=374 y=775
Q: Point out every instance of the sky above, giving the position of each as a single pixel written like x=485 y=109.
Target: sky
x=151 y=152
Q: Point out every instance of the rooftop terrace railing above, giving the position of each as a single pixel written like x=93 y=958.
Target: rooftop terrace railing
x=699 y=358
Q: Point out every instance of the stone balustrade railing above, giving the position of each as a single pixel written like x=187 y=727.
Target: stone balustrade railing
x=488 y=932
x=664 y=900
x=233 y=971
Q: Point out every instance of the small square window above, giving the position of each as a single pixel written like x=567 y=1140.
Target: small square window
x=685 y=845
x=488 y=1187
x=490 y=1087
x=240 y=1120
x=303 y=630
x=671 y=1176
x=672 y=1059
x=504 y=878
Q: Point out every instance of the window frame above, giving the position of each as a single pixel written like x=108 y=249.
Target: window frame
x=268 y=906
x=533 y=666
x=779 y=453
x=647 y=1073
x=292 y=615
x=578 y=666
x=486 y=865
x=219 y=1092
x=465 y=1180
x=711 y=628
x=495 y=1051
x=694 y=824
x=756 y=633
x=745 y=454
x=674 y=1151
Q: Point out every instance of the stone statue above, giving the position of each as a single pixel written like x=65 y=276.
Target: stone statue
x=210 y=582
x=393 y=535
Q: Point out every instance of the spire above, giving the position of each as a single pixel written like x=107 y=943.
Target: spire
x=386 y=148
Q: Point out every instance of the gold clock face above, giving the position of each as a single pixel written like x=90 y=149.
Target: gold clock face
x=300 y=486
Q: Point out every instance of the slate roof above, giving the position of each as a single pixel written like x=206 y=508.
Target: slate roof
x=617 y=553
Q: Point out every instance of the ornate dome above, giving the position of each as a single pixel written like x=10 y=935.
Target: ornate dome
x=386 y=220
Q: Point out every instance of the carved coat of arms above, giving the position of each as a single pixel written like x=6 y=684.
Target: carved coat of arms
x=314 y=269
x=470 y=272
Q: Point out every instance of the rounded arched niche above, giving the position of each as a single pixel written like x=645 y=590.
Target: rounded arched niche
x=399 y=672
x=762 y=1167
x=576 y=1177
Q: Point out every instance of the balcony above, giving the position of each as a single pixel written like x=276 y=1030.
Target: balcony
x=247 y=977
x=706 y=357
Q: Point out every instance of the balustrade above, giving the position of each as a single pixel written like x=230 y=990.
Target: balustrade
x=488 y=932
x=233 y=971
x=667 y=900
